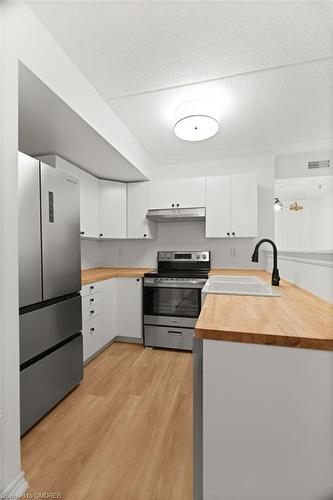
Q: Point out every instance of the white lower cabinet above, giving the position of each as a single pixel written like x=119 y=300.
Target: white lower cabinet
x=129 y=307
x=110 y=308
x=93 y=338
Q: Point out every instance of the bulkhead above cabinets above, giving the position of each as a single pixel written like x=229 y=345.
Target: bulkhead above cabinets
x=118 y=210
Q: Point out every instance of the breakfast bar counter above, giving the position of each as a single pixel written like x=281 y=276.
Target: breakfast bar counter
x=295 y=319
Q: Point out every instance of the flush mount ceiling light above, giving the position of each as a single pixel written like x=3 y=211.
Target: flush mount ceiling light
x=196 y=121
x=277 y=204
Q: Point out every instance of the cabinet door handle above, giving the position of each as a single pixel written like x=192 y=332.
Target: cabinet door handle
x=92 y=329
x=92 y=312
x=92 y=300
x=173 y=332
x=100 y=235
x=228 y=234
x=177 y=204
x=92 y=287
x=81 y=232
x=173 y=205
x=233 y=234
x=145 y=235
x=137 y=279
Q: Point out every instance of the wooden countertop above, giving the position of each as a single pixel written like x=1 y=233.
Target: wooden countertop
x=296 y=319
x=105 y=273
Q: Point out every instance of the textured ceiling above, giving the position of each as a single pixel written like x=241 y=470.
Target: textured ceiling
x=129 y=47
x=261 y=109
x=267 y=66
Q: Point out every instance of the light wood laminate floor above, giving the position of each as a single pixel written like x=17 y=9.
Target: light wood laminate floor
x=124 y=434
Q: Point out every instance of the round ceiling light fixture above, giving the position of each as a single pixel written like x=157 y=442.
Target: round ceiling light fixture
x=196 y=121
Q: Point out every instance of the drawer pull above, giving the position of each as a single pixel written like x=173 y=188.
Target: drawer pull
x=92 y=300
x=92 y=287
x=173 y=332
x=92 y=329
x=92 y=312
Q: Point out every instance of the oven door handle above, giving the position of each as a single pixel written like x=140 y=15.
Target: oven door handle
x=173 y=332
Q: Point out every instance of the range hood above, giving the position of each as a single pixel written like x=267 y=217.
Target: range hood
x=177 y=214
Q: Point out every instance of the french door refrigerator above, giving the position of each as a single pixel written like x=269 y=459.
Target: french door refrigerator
x=51 y=359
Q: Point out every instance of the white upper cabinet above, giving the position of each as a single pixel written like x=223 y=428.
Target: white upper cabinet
x=177 y=193
x=162 y=194
x=112 y=209
x=89 y=206
x=138 y=226
x=231 y=206
x=190 y=192
x=244 y=209
x=218 y=214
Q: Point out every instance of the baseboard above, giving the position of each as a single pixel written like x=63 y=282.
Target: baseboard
x=131 y=340
x=16 y=488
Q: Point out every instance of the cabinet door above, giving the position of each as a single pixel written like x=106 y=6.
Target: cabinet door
x=93 y=336
x=112 y=209
x=190 y=193
x=129 y=307
x=109 y=288
x=162 y=194
x=218 y=216
x=138 y=226
x=88 y=204
x=244 y=211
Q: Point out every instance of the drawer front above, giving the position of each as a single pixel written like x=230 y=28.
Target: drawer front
x=169 y=337
x=46 y=382
x=46 y=327
x=91 y=312
x=89 y=301
x=91 y=288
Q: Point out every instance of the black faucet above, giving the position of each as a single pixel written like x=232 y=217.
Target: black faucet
x=255 y=255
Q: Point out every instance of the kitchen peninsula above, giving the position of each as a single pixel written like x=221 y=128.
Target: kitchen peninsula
x=263 y=396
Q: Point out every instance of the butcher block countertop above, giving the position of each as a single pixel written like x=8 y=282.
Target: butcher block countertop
x=105 y=273
x=296 y=319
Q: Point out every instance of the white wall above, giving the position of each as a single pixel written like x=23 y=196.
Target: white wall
x=190 y=235
x=323 y=222
x=90 y=254
x=307 y=229
x=25 y=39
x=310 y=270
x=296 y=165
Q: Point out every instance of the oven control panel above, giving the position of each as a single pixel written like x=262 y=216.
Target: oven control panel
x=183 y=256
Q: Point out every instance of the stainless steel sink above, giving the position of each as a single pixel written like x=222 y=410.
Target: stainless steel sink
x=238 y=285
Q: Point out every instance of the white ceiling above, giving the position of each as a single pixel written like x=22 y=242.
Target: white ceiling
x=304 y=188
x=259 y=109
x=145 y=58
x=47 y=125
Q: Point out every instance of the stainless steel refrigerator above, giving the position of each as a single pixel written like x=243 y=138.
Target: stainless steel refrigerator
x=51 y=359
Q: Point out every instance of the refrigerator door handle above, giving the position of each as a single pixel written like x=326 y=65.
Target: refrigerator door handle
x=51 y=206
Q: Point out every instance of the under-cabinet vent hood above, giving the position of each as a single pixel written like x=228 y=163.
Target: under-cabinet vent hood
x=177 y=214
x=319 y=164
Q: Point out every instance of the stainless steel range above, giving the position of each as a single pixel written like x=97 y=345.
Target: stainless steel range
x=172 y=298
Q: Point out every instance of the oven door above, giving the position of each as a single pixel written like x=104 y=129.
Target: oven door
x=172 y=301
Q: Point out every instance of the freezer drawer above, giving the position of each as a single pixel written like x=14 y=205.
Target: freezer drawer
x=60 y=209
x=46 y=327
x=169 y=337
x=47 y=381
x=91 y=288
